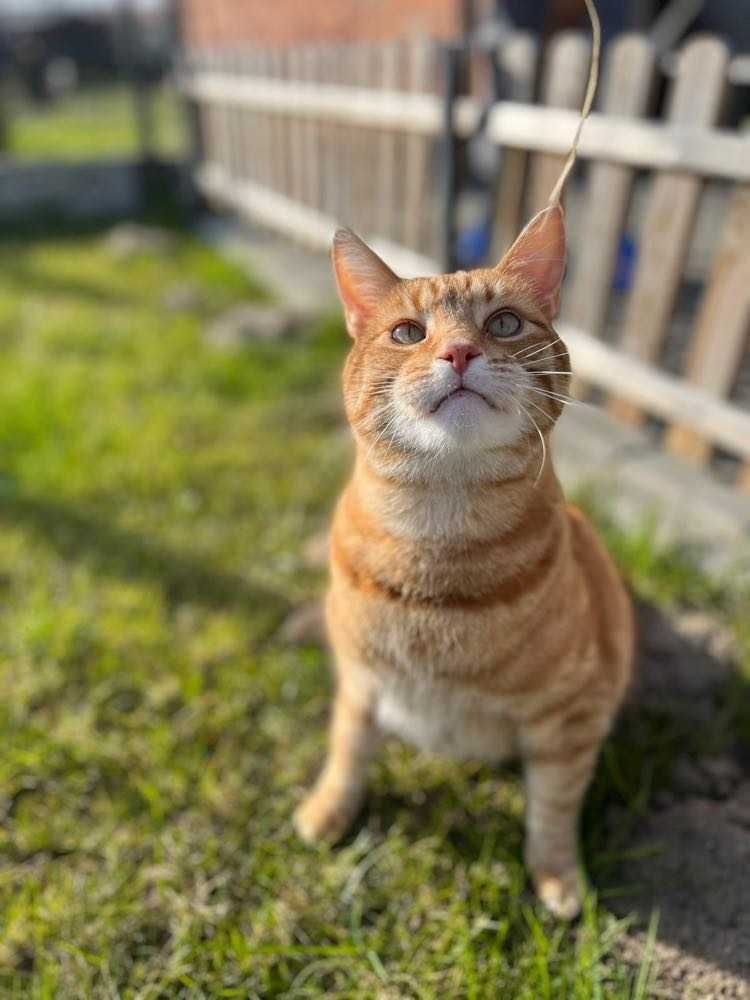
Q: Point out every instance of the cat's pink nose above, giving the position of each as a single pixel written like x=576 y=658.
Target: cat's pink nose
x=459 y=354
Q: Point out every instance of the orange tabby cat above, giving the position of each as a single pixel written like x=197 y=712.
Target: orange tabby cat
x=470 y=610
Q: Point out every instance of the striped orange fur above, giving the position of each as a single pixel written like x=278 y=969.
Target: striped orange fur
x=470 y=610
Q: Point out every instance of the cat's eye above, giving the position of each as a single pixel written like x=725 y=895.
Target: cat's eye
x=503 y=324
x=408 y=332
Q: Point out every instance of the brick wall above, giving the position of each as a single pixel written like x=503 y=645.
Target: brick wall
x=286 y=22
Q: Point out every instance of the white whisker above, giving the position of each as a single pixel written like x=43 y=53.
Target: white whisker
x=565 y=400
x=530 y=402
x=526 y=353
x=550 y=357
x=554 y=393
x=541 y=438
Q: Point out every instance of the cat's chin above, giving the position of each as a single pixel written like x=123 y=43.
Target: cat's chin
x=464 y=422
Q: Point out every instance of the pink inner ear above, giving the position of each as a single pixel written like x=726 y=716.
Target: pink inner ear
x=539 y=256
x=363 y=279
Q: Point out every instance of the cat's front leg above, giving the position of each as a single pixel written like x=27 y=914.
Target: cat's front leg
x=557 y=774
x=329 y=809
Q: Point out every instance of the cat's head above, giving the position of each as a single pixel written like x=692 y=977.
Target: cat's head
x=462 y=363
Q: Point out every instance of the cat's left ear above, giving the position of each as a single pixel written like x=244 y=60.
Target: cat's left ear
x=539 y=256
x=362 y=278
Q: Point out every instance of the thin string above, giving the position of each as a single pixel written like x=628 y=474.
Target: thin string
x=596 y=46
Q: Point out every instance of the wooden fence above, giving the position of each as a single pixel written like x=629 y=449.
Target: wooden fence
x=304 y=139
x=301 y=138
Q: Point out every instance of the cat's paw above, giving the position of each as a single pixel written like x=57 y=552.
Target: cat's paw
x=323 y=817
x=561 y=894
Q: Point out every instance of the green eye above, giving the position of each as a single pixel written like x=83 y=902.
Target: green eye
x=503 y=324
x=408 y=332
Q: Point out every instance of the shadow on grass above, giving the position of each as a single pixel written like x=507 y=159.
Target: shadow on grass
x=78 y=534
x=667 y=822
x=21 y=276
x=167 y=211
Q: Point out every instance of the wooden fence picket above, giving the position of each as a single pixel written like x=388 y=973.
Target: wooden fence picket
x=417 y=152
x=246 y=123
x=722 y=328
x=563 y=86
x=517 y=60
x=216 y=128
x=281 y=129
x=358 y=76
x=670 y=213
x=338 y=64
x=386 y=164
x=295 y=127
x=626 y=89
x=313 y=132
x=366 y=69
x=236 y=123
x=329 y=136
x=224 y=63
x=263 y=127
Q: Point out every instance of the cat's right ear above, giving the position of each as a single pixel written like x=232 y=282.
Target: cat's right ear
x=362 y=278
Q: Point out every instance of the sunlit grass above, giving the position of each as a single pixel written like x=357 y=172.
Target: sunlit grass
x=96 y=122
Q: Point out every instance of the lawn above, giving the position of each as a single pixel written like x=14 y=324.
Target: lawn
x=95 y=122
x=156 y=495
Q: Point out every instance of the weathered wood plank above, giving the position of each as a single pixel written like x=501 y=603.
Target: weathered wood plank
x=221 y=123
x=279 y=129
x=517 y=60
x=723 y=324
x=229 y=112
x=563 y=86
x=338 y=67
x=313 y=151
x=419 y=58
x=296 y=127
x=666 y=396
x=248 y=153
x=387 y=217
x=207 y=110
x=626 y=90
x=362 y=72
x=329 y=136
x=265 y=126
x=670 y=213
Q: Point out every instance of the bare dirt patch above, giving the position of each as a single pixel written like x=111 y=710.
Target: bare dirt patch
x=690 y=859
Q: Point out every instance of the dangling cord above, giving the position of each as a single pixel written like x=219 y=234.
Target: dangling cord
x=596 y=46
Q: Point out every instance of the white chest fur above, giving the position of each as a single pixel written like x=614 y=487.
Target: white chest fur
x=451 y=721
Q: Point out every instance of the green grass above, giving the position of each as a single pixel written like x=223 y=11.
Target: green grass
x=95 y=122
x=155 y=496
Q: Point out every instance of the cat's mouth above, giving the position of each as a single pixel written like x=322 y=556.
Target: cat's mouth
x=459 y=392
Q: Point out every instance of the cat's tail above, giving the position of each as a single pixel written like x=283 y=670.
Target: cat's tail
x=588 y=100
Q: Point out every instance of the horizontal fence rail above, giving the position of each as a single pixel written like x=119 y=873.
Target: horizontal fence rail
x=608 y=138
x=657 y=303
x=612 y=139
x=356 y=106
x=666 y=396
